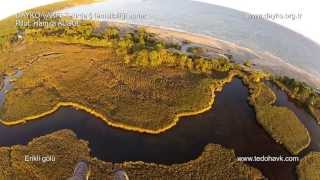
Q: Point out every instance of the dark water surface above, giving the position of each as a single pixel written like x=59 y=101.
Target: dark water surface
x=231 y=122
x=308 y=121
x=7 y=85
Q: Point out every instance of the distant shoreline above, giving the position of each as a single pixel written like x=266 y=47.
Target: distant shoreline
x=263 y=60
x=275 y=65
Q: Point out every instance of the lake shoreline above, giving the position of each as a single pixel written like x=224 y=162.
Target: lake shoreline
x=120 y=125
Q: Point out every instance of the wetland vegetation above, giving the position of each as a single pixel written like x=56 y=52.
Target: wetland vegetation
x=109 y=83
x=302 y=93
x=215 y=162
x=280 y=122
x=106 y=77
x=309 y=167
x=110 y=87
x=134 y=80
x=8 y=30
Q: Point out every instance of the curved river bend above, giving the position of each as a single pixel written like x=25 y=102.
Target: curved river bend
x=231 y=123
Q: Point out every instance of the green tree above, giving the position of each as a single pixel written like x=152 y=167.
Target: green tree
x=142 y=37
x=159 y=46
x=85 y=30
x=247 y=63
x=163 y=55
x=127 y=59
x=311 y=100
x=142 y=58
x=154 y=58
x=70 y=31
x=183 y=60
x=189 y=63
x=112 y=33
x=125 y=44
x=201 y=65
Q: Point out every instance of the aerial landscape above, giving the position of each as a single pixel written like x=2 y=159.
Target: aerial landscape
x=154 y=101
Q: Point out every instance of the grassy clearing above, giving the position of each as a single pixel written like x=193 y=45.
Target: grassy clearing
x=280 y=122
x=216 y=162
x=309 y=167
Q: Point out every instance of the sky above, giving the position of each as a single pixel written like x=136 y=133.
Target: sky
x=307 y=25
x=11 y=7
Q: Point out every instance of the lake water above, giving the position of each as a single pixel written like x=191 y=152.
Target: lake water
x=223 y=23
x=309 y=122
x=7 y=85
x=231 y=123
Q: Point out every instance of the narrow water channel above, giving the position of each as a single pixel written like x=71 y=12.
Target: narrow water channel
x=231 y=123
x=306 y=118
x=7 y=85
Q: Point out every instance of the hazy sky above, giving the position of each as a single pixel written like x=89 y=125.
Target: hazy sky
x=308 y=25
x=10 y=7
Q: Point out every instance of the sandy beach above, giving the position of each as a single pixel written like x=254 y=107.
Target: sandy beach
x=262 y=60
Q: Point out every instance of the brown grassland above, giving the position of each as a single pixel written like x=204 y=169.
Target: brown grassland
x=309 y=167
x=215 y=162
x=101 y=81
x=95 y=80
x=132 y=82
x=280 y=122
x=8 y=26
